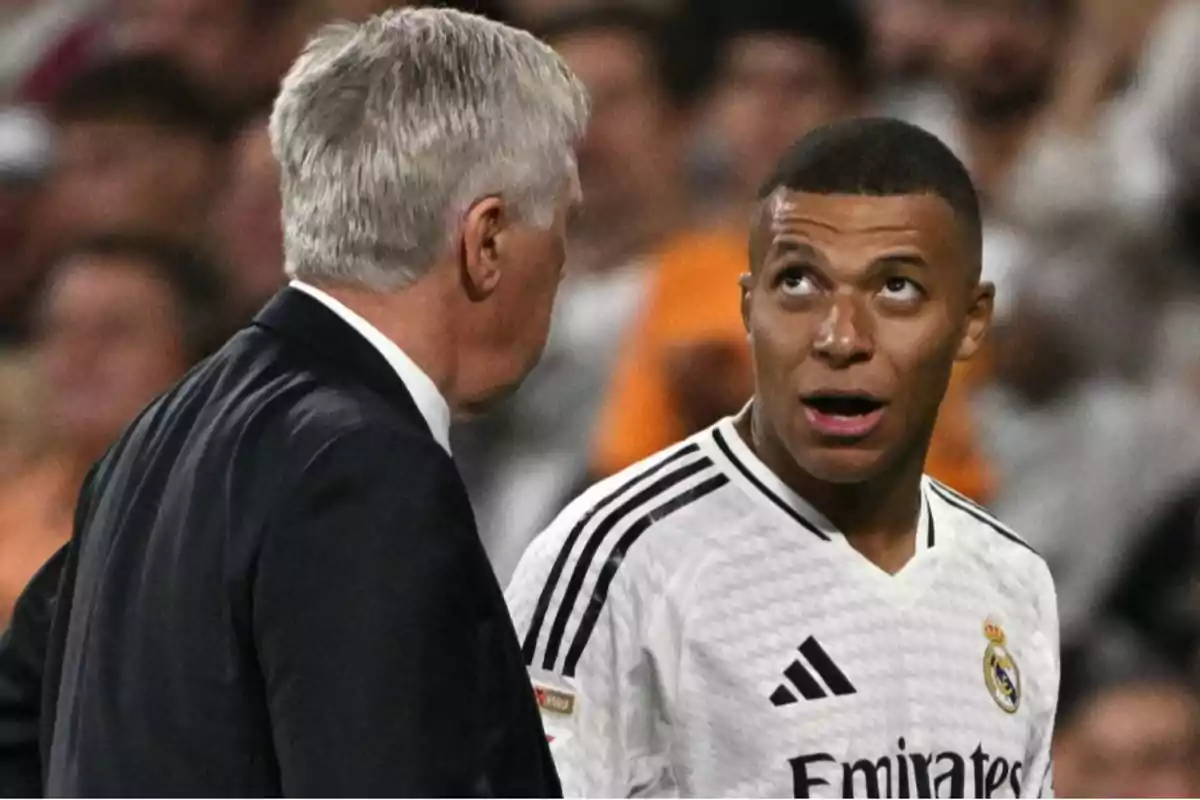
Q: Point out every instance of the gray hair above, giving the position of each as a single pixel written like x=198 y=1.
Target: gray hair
x=388 y=131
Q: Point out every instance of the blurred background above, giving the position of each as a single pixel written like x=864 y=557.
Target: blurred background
x=139 y=225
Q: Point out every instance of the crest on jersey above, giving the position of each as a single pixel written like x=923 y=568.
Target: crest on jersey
x=1001 y=674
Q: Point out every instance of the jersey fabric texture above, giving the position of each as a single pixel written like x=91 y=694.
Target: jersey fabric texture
x=693 y=627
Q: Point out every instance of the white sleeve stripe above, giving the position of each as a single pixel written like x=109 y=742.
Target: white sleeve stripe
x=529 y=646
x=596 y=538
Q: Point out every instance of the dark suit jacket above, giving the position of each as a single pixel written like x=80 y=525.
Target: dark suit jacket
x=276 y=587
x=22 y=663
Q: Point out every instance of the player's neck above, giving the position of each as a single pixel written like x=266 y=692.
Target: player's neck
x=879 y=517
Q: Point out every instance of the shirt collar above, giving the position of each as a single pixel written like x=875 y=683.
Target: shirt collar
x=424 y=391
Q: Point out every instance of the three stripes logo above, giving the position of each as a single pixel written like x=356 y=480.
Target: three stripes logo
x=832 y=679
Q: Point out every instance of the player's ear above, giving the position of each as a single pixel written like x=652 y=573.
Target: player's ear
x=979 y=320
x=484 y=236
x=746 y=283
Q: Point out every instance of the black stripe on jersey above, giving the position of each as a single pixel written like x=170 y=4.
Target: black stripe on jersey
x=834 y=678
x=929 y=511
x=609 y=571
x=960 y=496
x=782 y=696
x=805 y=683
x=791 y=512
x=978 y=513
x=593 y=544
x=560 y=563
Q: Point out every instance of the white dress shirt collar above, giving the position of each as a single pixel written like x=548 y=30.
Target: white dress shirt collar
x=425 y=394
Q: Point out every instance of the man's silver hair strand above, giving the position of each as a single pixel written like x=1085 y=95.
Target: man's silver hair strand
x=386 y=132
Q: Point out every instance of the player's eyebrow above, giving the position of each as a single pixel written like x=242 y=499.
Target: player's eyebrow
x=783 y=247
x=894 y=260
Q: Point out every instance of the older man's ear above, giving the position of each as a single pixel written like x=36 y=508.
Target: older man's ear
x=484 y=228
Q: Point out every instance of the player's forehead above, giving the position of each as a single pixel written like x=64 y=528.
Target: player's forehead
x=838 y=226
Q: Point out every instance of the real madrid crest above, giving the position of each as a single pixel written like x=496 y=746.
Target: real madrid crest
x=1000 y=672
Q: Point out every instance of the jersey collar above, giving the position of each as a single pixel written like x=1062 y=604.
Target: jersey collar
x=745 y=465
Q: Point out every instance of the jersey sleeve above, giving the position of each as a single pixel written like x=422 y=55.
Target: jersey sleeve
x=594 y=675
x=1040 y=781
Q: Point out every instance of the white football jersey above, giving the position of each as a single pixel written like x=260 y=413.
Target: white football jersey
x=694 y=627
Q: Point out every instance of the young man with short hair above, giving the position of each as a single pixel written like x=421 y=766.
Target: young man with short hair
x=784 y=604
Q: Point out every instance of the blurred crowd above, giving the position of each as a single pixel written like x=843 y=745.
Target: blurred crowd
x=139 y=225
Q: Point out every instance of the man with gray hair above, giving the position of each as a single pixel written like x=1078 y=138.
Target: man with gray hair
x=275 y=584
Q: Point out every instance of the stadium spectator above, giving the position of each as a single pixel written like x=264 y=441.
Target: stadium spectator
x=237 y=49
x=1086 y=445
x=642 y=92
x=139 y=148
x=246 y=222
x=1125 y=91
x=524 y=463
x=1128 y=725
x=998 y=59
x=122 y=318
x=904 y=42
x=784 y=69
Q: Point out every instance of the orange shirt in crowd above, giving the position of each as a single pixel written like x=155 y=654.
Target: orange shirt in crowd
x=37 y=508
x=694 y=298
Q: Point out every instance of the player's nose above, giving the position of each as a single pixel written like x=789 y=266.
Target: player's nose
x=845 y=334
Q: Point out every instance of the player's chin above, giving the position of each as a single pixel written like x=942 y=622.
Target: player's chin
x=845 y=464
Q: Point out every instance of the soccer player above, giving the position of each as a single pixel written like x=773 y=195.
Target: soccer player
x=784 y=604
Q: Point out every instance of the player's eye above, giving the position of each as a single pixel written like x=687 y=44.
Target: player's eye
x=797 y=282
x=904 y=290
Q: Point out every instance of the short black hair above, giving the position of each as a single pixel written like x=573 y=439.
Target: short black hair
x=840 y=27
x=147 y=88
x=882 y=157
x=194 y=280
x=679 y=48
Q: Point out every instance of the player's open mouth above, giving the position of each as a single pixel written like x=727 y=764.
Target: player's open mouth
x=843 y=416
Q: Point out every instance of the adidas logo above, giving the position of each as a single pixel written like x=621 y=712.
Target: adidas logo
x=801 y=679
